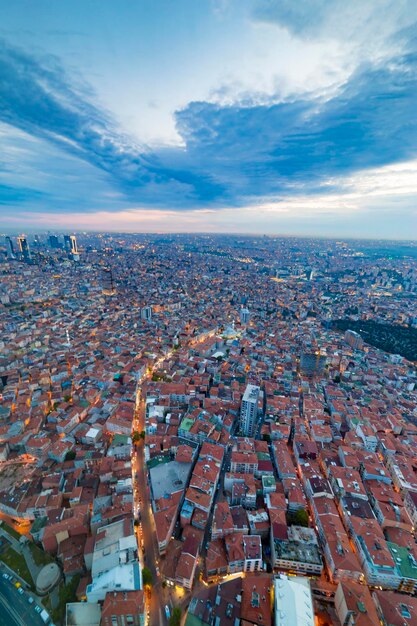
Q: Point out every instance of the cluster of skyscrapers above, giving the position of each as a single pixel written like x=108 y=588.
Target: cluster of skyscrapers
x=19 y=248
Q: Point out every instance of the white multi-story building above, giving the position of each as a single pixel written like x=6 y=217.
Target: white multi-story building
x=249 y=410
x=252 y=546
x=146 y=313
x=244 y=316
x=293 y=601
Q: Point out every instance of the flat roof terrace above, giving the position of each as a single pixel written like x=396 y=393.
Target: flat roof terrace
x=166 y=478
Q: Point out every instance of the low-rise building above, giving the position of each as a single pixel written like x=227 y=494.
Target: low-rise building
x=293 y=601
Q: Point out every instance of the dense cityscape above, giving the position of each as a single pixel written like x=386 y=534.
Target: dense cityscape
x=207 y=430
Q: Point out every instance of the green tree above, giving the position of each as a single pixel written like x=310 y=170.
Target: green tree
x=175 y=619
x=136 y=436
x=146 y=576
x=266 y=437
x=66 y=594
x=70 y=455
x=299 y=518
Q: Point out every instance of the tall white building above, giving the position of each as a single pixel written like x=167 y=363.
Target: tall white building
x=249 y=410
x=244 y=316
x=146 y=313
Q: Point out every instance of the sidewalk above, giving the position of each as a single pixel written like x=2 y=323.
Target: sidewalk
x=34 y=569
x=24 y=550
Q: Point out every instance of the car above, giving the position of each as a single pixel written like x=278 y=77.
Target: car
x=167 y=611
x=38 y=609
x=6 y=576
x=30 y=599
x=17 y=584
x=158 y=573
x=20 y=590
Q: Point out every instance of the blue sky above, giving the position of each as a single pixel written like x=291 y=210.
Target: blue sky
x=212 y=115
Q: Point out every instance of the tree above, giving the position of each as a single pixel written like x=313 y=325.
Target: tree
x=146 y=576
x=266 y=437
x=135 y=436
x=70 y=455
x=175 y=619
x=299 y=518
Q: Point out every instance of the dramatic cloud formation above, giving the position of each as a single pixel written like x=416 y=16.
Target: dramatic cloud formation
x=38 y=99
x=243 y=150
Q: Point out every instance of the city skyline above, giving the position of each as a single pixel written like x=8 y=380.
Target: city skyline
x=173 y=117
x=201 y=429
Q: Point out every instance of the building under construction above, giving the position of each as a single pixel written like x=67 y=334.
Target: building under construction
x=312 y=364
x=107 y=282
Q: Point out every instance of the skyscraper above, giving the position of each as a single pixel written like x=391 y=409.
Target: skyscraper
x=107 y=281
x=70 y=243
x=10 y=249
x=354 y=339
x=249 y=410
x=54 y=242
x=22 y=242
x=244 y=315
x=146 y=313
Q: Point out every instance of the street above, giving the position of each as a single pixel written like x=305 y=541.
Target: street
x=15 y=609
x=146 y=535
x=146 y=532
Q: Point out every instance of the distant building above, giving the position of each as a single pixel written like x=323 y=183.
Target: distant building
x=354 y=339
x=70 y=244
x=10 y=249
x=53 y=241
x=146 y=313
x=312 y=364
x=24 y=250
x=249 y=410
x=244 y=316
x=107 y=281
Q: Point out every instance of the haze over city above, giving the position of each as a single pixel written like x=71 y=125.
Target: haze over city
x=258 y=116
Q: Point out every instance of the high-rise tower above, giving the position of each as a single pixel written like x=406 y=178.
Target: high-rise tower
x=70 y=244
x=249 y=410
x=107 y=281
x=10 y=249
x=24 y=249
x=244 y=315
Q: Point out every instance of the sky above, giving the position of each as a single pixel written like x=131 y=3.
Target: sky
x=250 y=116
